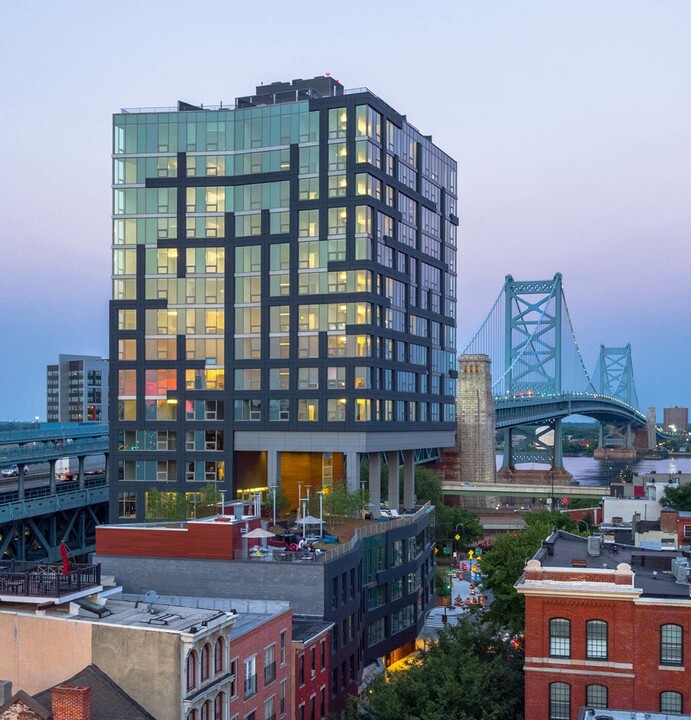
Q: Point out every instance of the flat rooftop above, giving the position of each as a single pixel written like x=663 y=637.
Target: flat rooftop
x=141 y=614
x=652 y=568
x=306 y=629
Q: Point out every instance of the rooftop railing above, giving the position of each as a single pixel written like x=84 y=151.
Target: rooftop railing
x=45 y=580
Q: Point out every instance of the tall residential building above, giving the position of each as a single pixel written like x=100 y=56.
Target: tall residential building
x=284 y=295
x=677 y=417
x=77 y=389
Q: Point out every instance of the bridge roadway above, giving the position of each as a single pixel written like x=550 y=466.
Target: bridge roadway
x=513 y=411
x=50 y=442
x=35 y=520
x=524 y=490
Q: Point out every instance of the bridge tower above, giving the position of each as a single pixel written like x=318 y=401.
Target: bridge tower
x=533 y=366
x=475 y=440
x=613 y=377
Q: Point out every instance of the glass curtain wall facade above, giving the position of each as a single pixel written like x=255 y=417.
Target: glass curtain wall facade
x=285 y=265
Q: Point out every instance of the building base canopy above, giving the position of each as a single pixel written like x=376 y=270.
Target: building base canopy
x=364 y=442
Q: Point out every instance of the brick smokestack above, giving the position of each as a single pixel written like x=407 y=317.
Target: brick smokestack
x=71 y=702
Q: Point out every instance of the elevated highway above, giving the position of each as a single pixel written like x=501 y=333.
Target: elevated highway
x=523 y=490
x=35 y=520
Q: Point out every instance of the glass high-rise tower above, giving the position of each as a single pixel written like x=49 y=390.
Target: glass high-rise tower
x=284 y=295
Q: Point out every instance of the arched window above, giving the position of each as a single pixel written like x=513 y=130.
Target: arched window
x=671 y=644
x=596 y=640
x=192 y=715
x=560 y=637
x=191 y=670
x=596 y=696
x=219 y=702
x=206 y=710
x=559 y=701
x=219 y=655
x=205 y=661
x=670 y=702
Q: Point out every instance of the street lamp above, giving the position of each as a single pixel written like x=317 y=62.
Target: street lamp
x=321 y=513
x=36 y=419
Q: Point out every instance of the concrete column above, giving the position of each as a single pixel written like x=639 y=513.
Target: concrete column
x=80 y=473
x=628 y=435
x=557 y=450
x=51 y=476
x=352 y=471
x=394 y=496
x=408 y=480
x=375 y=484
x=273 y=468
x=106 y=467
x=507 y=460
x=601 y=437
x=20 y=481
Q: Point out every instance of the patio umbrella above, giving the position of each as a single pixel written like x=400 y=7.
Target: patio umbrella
x=258 y=533
x=310 y=520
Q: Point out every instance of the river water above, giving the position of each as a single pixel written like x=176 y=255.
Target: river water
x=589 y=471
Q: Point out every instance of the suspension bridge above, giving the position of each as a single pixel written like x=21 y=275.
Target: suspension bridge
x=539 y=377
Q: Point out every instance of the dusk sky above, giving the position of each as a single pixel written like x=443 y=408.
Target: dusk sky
x=570 y=121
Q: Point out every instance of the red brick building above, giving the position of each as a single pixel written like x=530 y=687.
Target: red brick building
x=606 y=627
x=261 y=662
x=311 y=668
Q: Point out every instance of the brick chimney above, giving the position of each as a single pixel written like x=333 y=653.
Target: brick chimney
x=71 y=702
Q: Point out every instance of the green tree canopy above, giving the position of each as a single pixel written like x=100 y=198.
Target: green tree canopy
x=504 y=564
x=470 y=674
x=677 y=497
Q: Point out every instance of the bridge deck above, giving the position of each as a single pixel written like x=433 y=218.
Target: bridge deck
x=524 y=490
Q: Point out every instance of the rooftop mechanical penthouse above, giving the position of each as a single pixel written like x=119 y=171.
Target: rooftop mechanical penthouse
x=284 y=295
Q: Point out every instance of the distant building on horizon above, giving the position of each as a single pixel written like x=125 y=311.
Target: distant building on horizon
x=678 y=417
x=284 y=296
x=77 y=389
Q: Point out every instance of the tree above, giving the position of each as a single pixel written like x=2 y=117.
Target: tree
x=469 y=674
x=626 y=475
x=450 y=517
x=677 y=497
x=166 y=505
x=504 y=564
x=340 y=504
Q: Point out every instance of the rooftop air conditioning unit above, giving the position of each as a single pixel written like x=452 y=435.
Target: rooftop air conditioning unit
x=594 y=545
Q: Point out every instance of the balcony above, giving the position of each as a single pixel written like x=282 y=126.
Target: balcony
x=34 y=582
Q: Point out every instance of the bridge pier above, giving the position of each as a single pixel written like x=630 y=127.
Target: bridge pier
x=536 y=448
x=615 y=443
